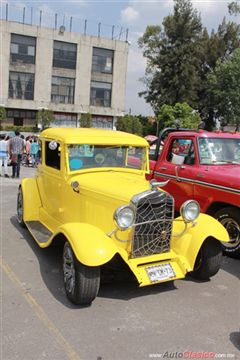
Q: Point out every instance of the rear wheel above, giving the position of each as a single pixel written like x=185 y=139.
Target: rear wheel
x=229 y=217
x=208 y=260
x=20 y=207
x=81 y=282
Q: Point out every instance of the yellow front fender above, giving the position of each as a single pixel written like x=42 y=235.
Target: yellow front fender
x=91 y=246
x=189 y=244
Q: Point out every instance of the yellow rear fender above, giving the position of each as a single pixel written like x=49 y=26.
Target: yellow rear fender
x=31 y=200
x=189 y=244
x=91 y=246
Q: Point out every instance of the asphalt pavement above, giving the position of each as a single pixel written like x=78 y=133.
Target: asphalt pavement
x=185 y=319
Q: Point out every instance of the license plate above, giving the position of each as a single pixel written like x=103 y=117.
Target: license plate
x=160 y=272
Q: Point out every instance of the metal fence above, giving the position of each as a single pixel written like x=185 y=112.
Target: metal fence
x=63 y=22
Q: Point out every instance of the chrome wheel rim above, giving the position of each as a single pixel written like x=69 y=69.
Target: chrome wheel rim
x=68 y=269
x=233 y=229
x=20 y=206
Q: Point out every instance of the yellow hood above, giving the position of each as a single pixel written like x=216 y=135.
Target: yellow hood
x=114 y=184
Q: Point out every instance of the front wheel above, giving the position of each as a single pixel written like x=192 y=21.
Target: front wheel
x=229 y=217
x=208 y=260
x=81 y=282
x=20 y=207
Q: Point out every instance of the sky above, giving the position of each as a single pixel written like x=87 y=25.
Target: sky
x=133 y=15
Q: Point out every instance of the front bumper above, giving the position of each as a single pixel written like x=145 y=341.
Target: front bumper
x=139 y=267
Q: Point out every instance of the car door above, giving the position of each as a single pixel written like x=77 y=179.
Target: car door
x=50 y=179
x=179 y=166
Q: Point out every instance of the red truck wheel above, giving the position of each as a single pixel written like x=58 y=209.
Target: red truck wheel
x=229 y=217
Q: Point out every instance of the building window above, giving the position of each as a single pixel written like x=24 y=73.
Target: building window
x=62 y=90
x=64 y=120
x=100 y=94
x=21 y=85
x=64 y=55
x=18 y=121
x=103 y=122
x=22 y=49
x=102 y=60
x=12 y=113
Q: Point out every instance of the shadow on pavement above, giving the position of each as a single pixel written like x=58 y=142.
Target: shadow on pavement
x=126 y=290
x=235 y=339
x=50 y=263
x=232 y=266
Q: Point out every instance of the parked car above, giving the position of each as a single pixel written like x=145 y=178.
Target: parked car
x=204 y=166
x=7 y=133
x=90 y=190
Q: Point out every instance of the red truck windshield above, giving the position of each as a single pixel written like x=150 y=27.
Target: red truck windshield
x=218 y=151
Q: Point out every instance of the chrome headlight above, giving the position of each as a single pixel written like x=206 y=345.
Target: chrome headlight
x=190 y=210
x=124 y=217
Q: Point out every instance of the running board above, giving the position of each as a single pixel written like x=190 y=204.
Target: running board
x=40 y=233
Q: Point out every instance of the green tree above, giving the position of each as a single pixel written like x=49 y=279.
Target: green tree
x=234 y=8
x=86 y=120
x=217 y=46
x=181 y=55
x=181 y=113
x=130 y=124
x=148 y=125
x=44 y=118
x=224 y=88
x=3 y=115
x=173 y=57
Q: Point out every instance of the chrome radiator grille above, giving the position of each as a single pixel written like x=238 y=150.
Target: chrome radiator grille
x=153 y=225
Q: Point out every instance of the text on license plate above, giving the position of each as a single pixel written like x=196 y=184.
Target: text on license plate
x=160 y=272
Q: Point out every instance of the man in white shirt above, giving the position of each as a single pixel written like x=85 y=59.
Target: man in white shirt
x=3 y=157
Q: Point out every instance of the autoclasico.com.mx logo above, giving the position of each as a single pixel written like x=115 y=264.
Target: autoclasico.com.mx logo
x=192 y=355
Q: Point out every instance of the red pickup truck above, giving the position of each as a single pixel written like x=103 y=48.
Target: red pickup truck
x=204 y=166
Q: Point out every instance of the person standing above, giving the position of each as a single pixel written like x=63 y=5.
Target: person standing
x=34 y=151
x=28 y=147
x=16 y=149
x=3 y=156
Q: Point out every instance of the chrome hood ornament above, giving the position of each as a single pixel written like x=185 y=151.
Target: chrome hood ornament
x=155 y=184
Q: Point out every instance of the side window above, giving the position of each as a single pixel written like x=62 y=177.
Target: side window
x=52 y=154
x=181 y=152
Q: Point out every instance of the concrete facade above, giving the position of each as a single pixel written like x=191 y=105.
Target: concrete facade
x=43 y=71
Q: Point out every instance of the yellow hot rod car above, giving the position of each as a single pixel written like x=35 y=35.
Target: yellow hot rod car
x=90 y=191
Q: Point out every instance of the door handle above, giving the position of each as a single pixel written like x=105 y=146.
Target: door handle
x=163 y=168
x=176 y=173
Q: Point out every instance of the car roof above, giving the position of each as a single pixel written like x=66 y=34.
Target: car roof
x=92 y=136
x=206 y=134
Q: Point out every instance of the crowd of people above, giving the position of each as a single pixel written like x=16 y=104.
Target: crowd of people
x=17 y=150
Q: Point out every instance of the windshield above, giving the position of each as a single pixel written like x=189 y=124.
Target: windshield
x=219 y=151
x=86 y=156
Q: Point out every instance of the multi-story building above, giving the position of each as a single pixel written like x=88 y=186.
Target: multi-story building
x=66 y=72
